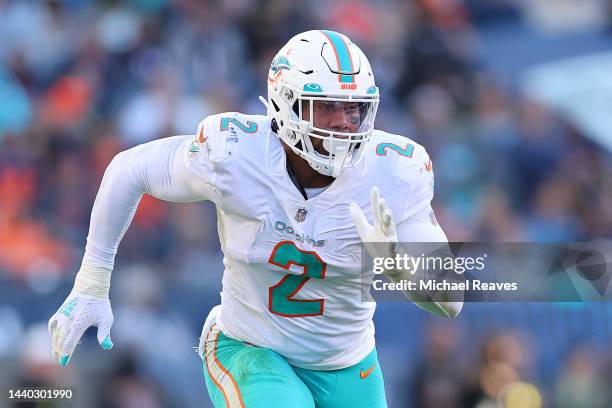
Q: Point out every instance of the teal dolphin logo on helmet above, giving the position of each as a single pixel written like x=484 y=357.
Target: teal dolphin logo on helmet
x=279 y=63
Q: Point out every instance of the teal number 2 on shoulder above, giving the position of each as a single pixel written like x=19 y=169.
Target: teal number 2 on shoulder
x=250 y=127
x=281 y=297
x=381 y=149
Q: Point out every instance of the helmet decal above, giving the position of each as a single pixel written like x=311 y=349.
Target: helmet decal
x=343 y=56
x=279 y=63
x=312 y=88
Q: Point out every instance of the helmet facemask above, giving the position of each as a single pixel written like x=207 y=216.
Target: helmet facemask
x=330 y=130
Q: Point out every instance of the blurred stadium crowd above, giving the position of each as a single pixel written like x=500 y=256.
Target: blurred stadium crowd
x=81 y=80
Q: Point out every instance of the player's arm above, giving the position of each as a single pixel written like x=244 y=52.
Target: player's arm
x=422 y=235
x=383 y=239
x=159 y=168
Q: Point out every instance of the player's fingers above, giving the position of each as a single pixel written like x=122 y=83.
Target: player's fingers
x=52 y=324
x=56 y=338
x=104 y=338
x=383 y=215
x=55 y=332
x=75 y=334
x=359 y=219
x=374 y=196
x=59 y=339
x=391 y=223
x=387 y=218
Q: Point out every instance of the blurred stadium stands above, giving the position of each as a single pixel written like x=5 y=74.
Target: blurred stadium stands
x=518 y=157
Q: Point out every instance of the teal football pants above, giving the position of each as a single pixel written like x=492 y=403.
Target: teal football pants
x=241 y=375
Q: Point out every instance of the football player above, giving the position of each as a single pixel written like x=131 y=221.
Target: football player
x=297 y=192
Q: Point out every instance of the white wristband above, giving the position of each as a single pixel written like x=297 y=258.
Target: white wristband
x=93 y=281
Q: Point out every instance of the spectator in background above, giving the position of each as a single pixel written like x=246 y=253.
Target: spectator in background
x=583 y=383
x=439 y=51
x=439 y=376
x=126 y=388
x=502 y=372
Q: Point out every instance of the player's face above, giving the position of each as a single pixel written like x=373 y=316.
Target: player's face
x=336 y=116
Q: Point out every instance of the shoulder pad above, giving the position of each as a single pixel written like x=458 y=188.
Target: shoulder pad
x=218 y=134
x=211 y=140
x=411 y=166
x=418 y=164
x=402 y=154
x=419 y=174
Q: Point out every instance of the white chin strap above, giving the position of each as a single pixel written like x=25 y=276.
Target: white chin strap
x=339 y=151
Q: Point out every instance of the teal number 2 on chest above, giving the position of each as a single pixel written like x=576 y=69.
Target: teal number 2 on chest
x=281 y=300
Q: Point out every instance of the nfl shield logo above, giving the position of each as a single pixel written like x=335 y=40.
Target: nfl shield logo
x=300 y=216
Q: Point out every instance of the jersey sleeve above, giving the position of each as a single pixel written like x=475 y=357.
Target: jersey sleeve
x=160 y=168
x=421 y=227
x=211 y=150
x=417 y=222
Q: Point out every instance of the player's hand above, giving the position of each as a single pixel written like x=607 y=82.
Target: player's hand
x=380 y=239
x=77 y=313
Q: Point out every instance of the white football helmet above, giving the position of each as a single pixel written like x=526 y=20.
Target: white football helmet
x=315 y=75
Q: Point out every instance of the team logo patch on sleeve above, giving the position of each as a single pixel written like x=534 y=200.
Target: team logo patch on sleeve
x=300 y=216
x=194 y=149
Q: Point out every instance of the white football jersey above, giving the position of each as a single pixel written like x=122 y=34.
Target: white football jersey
x=293 y=273
x=292 y=278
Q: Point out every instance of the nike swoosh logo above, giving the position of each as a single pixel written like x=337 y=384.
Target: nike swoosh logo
x=365 y=374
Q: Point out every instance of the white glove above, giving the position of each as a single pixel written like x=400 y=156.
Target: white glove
x=379 y=239
x=79 y=312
